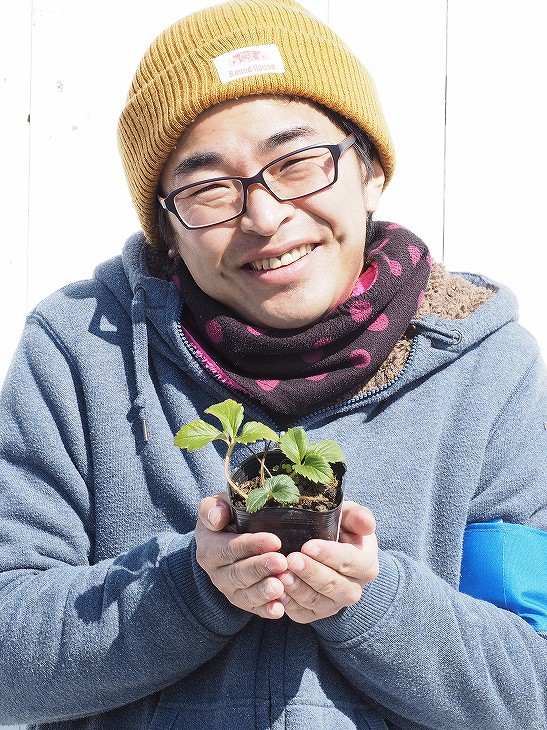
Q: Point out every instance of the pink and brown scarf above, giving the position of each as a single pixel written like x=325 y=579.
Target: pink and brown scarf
x=295 y=372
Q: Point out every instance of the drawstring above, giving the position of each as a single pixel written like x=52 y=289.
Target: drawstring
x=140 y=354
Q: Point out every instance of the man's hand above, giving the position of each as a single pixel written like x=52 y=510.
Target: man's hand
x=328 y=576
x=308 y=585
x=243 y=567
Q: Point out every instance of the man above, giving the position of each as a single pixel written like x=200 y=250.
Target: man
x=260 y=275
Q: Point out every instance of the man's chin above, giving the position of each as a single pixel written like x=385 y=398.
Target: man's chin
x=283 y=320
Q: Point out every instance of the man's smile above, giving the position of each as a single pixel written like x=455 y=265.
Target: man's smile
x=287 y=258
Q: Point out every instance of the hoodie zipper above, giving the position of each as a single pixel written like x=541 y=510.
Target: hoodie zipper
x=454 y=337
x=217 y=377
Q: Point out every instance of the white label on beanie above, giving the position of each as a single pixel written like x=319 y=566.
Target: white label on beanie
x=251 y=61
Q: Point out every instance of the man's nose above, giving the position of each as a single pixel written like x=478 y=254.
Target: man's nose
x=264 y=214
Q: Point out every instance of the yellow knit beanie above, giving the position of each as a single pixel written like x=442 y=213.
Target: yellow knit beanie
x=239 y=48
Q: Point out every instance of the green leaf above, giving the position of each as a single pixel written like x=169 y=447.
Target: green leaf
x=257 y=498
x=316 y=469
x=253 y=431
x=197 y=434
x=230 y=414
x=283 y=489
x=294 y=444
x=329 y=450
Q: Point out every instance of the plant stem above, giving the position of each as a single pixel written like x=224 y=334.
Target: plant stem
x=234 y=486
x=262 y=461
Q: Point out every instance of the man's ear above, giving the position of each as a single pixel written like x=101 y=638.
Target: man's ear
x=374 y=186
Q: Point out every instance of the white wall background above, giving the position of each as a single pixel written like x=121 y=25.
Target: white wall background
x=463 y=85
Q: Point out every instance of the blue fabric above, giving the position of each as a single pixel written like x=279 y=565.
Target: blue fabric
x=506 y=564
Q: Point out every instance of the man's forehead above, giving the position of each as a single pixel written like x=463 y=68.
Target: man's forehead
x=253 y=126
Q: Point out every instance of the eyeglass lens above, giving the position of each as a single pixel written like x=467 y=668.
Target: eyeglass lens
x=294 y=176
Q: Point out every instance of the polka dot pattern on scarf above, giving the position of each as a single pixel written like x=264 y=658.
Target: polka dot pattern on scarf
x=294 y=372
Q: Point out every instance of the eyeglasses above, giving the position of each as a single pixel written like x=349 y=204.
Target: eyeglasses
x=292 y=176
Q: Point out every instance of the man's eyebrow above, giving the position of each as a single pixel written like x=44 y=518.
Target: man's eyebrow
x=198 y=161
x=201 y=160
x=284 y=136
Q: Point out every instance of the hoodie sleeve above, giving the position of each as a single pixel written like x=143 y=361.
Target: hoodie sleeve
x=433 y=656
x=78 y=638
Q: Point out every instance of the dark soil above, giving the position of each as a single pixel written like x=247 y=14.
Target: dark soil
x=323 y=497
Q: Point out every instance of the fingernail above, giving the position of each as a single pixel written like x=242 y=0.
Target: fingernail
x=287 y=579
x=272 y=565
x=214 y=515
x=296 y=562
x=270 y=591
x=312 y=549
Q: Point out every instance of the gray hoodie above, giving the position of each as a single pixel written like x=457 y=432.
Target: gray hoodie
x=107 y=622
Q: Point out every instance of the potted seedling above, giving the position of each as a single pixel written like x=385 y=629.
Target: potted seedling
x=292 y=487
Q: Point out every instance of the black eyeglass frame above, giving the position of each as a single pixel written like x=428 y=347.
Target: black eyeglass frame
x=336 y=150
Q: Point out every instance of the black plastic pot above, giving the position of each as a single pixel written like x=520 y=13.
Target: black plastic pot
x=294 y=526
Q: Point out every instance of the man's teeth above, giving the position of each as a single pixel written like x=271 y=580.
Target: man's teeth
x=277 y=262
